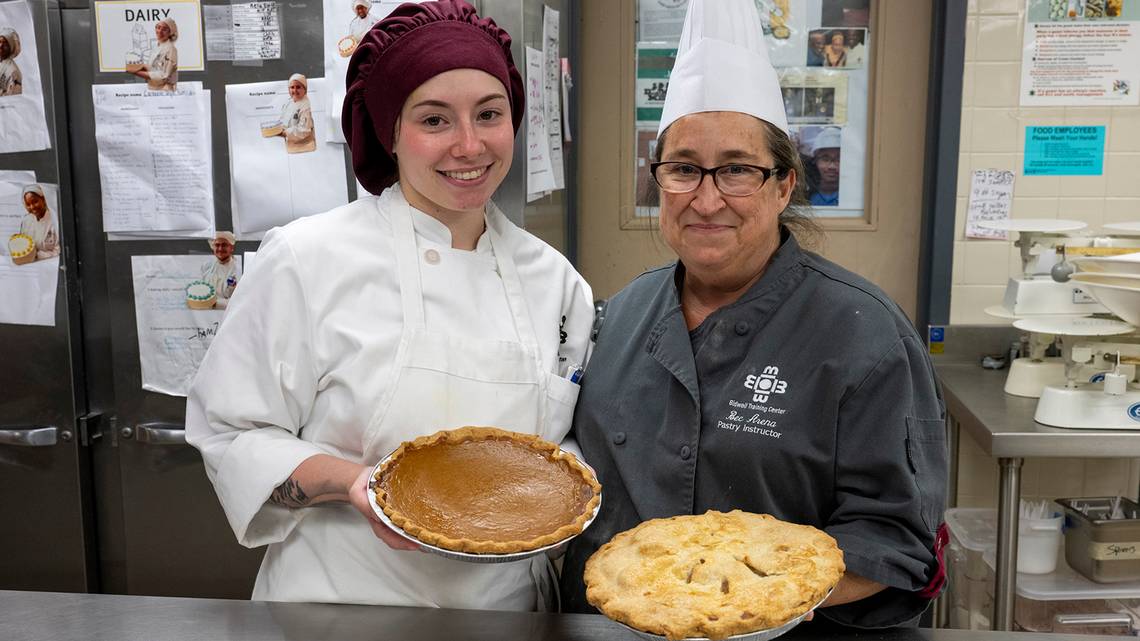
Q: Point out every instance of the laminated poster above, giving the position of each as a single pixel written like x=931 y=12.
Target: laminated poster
x=178 y=310
x=283 y=165
x=1081 y=53
x=29 y=264
x=151 y=40
x=23 y=126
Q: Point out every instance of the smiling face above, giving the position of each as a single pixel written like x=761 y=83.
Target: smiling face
x=817 y=41
x=837 y=42
x=223 y=249
x=35 y=204
x=361 y=11
x=454 y=142
x=723 y=239
x=162 y=31
x=297 y=90
x=827 y=162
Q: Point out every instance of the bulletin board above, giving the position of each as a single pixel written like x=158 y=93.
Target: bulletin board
x=823 y=52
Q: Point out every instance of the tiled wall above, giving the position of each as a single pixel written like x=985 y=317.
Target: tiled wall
x=993 y=137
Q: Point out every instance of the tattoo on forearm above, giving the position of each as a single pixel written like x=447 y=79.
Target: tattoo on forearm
x=290 y=494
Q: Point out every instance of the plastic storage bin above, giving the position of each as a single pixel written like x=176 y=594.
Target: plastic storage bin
x=1061 y=601
x=1102 y=549
x=969 y=580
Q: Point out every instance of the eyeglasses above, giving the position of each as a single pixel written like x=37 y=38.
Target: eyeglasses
x=731 y=180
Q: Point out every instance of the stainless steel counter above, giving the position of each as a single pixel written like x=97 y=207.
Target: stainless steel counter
x=1003 y=426
x=44 y=616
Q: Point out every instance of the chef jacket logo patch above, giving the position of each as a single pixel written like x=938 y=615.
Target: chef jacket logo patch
x=766 y=384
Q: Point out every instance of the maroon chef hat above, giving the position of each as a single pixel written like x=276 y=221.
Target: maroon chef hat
x=401 y=52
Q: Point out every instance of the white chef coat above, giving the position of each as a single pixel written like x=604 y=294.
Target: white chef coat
x=360 y=26
x=297 y=118
x=163 y=67
x=11 y=80
x=302 y=364
x=219 y=274
x=43 y=232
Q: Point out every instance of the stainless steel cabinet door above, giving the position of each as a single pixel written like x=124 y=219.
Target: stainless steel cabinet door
x=161 y=528
x=45 y=471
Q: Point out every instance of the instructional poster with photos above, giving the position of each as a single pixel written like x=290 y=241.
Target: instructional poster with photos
x=23 y=126
x=29 y=256
x=178 y=309
x=821 y=51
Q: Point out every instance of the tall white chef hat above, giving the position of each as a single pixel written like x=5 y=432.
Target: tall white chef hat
x=722 y=65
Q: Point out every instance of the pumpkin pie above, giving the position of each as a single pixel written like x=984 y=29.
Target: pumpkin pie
x=712 y=575
x=483 y=490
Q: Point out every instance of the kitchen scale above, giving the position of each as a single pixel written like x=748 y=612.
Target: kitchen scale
x=1042 y=293
x=1099 y=389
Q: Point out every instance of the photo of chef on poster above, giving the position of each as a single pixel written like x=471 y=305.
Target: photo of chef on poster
x=362 y=20
x=23 y=126
x=820 y=151
x=151 y=40
x=295 y=123
x=220 y=275
x=157 y=64
x=29 y=256
x=282 y=165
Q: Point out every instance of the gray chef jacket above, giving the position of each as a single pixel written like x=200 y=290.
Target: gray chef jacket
x=810 y=398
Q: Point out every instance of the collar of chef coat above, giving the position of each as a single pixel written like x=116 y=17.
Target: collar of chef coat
x=430 y=228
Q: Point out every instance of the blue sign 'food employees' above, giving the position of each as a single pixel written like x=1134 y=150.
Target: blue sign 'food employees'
x=1134 y=412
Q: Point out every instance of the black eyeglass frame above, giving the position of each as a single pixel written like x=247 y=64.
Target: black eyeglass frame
x=768 y=172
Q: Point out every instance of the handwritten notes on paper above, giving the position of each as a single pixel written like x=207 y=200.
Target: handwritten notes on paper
x=552 y=91
x=173 y=338
x=991 y=192
x=154 y=159
x=539 y=172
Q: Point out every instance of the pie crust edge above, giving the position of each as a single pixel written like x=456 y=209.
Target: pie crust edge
x=679 y=622
x=471 y=546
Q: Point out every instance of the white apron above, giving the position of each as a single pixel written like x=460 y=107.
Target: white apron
x=439 y=382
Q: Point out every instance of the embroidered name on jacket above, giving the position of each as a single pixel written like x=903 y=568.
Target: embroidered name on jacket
x=752 y=416
x=766 y=384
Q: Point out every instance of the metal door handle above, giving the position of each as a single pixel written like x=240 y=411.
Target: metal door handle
x=160 y=434
x=30 y=436
x=1101 y=620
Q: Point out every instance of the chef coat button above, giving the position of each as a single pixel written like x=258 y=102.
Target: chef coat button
x=685 y=452
x=742 y=328
x=432 y=257
x=619 y=438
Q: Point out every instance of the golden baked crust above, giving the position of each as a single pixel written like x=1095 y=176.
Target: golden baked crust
x=484 y=490
x=712 y=575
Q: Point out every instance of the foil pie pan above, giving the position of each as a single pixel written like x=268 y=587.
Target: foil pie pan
x=554 y=550
x=758 y=635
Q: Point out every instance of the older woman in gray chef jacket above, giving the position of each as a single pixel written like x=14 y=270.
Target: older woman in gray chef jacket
x=751 y=373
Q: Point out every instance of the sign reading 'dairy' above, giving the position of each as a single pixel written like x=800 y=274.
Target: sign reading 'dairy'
x=126 y=33
x=1064 y=151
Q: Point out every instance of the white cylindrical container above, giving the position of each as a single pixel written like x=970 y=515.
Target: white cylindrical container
x=1038 y=544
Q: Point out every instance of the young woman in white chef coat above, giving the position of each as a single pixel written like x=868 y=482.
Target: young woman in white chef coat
x=161 y=72
x=420 y=309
